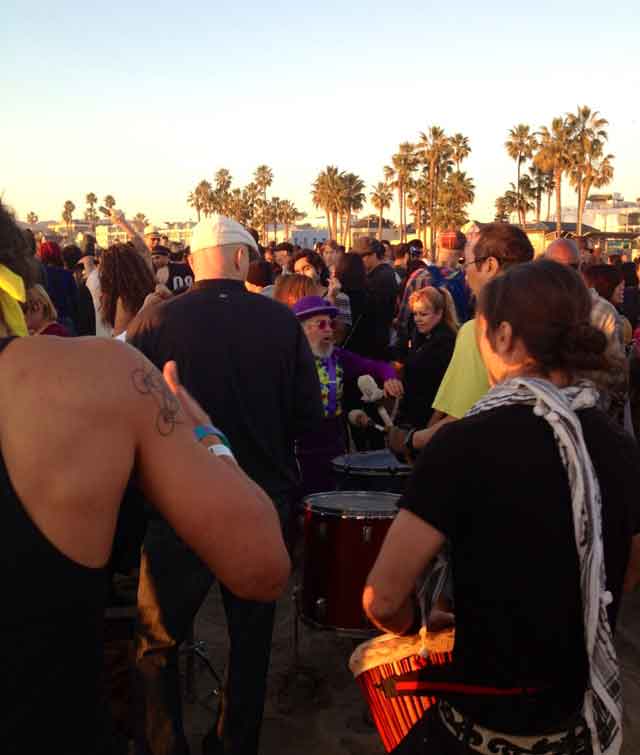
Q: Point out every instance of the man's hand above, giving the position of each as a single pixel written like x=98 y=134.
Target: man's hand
x=191 y=407
x=394 y=388
x=333 y=289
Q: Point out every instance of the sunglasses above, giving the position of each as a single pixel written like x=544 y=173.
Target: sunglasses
x=324 y=325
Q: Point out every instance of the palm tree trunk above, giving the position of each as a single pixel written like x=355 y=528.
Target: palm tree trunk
x=538 y=204
x=518 y=194
x=586 y=188
x=326 y=210
x=346 y=242
x=380 y=225
x=579 y=218
x=549 y=193
x=558 y=203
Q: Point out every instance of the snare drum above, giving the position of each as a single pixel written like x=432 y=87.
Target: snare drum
x=372 y=470
x=388 y=656
x=343 y=533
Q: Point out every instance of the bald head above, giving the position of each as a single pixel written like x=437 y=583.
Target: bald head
x=229 y=261
x=563 y=251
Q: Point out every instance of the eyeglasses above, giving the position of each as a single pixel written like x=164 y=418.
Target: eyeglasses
x=323 y=324
x=464 y=264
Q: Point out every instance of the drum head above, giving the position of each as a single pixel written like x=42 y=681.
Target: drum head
x=348 y=503
x=373 y=463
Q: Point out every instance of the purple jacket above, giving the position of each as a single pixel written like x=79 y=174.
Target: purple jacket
x=345 y=365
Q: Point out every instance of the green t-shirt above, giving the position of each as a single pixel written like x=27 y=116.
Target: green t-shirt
x=466 y=379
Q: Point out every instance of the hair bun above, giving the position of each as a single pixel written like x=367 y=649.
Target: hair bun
x=584 y=346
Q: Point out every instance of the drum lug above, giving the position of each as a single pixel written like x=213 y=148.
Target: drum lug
x=367 y=531
x=321 y=609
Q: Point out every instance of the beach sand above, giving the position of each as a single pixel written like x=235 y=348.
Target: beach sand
x=319 y=709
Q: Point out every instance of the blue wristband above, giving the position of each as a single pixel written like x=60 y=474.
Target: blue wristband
x=203 y=431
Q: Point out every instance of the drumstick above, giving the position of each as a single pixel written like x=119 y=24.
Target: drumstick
x=356 y=416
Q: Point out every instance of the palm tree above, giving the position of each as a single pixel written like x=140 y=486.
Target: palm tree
x=554 y=154
x=274 y=214
x=263 y=177
x=398 y=175
x=538 y=182
x=289 y=215
x=67 y=214
x=589 y=136
x=109 y=202
x=251 y=196
x=600 y=175
x=520 y=147
x=352 y=198
x=435 y=150
x=325 y=193
x=32 y=218
x=418 y=202
x=460 y=149
x=90 y=214
x=381 y=198
x=520 y=201
x=223 y=180
x=456 y=192
x=502 y=210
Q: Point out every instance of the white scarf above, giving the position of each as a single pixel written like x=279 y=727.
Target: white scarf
x=602 y=706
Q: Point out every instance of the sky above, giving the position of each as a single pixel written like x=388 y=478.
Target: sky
x=143 y=100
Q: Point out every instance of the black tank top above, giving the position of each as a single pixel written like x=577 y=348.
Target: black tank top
x=51 y=615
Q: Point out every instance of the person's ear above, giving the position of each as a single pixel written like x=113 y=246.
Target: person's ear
x=492 y=266
x=504 y=339
x=240 y=252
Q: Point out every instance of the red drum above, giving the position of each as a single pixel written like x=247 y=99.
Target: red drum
x=388 y=656
x=343 y=533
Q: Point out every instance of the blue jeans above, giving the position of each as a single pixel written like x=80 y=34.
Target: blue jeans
x=174 y=583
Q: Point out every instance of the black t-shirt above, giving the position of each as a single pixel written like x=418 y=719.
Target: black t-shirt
x=495 y=485
x=246 y=360
x=382 y=288
x=180 y=276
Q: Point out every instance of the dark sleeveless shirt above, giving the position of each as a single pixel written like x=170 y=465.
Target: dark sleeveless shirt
x=51 y=615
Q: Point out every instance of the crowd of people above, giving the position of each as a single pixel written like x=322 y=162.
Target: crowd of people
x=207 y=397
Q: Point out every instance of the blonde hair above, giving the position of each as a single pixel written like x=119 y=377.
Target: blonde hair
x=38 y=294
x=441 y=301
x=291 y=288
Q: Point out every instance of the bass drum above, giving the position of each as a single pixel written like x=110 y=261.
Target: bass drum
x=343 y=534
x=371 y=470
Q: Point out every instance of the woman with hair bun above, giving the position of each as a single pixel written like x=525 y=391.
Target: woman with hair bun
x=535 y=491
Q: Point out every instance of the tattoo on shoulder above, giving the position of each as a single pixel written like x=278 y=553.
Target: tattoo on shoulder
x=148 y=382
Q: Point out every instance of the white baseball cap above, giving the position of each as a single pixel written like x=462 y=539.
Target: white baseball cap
x=218 y=230
x=152 y=230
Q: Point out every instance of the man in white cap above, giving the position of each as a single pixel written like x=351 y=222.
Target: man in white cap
x=151 y=237
x=247 y=361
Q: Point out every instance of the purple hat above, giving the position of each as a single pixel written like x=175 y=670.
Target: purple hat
x=310 y=306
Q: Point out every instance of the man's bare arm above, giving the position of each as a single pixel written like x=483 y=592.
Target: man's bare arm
x=422 y=437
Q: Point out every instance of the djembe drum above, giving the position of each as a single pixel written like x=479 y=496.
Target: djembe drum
x=389 y=656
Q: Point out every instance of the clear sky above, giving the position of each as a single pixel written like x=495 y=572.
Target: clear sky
x=144 y=99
